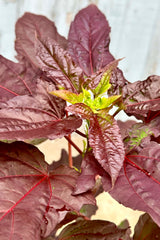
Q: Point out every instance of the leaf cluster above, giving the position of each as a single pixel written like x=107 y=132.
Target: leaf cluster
x=55 y=85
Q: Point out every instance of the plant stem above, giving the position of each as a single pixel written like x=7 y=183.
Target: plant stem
x=81 y=134
x=116 y=112
x=70 y=160
x=70 y=152
x=74 y=145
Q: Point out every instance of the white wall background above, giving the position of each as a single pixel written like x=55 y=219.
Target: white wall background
x=135 y=28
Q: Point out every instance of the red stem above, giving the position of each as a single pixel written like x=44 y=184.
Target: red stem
x=70 y=152
x=70 y=160
x=81 y=134
x=74 y=145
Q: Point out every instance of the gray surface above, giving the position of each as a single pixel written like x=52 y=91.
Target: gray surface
x=135 y=28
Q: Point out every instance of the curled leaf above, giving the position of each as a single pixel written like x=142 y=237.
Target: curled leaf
x=142 y=97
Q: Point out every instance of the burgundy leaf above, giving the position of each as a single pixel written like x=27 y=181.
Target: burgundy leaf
x=141 y=97
x=142 y=108
x=26 y=28
x=105 y=139
x=24 y=117
x=154 y=126
x=27 y=110
x=81 y=109
x=89 y=40
x=139 y=135
x=90 y=168
x=15 y=79
x=117 y=81
x=58 y=65
x=33 y=200
x=89 y=179
x=30 y=112
x=138 y=184
x=124 y=126
x=148 y=159
x=146 y=229
x=92 y=230
x=137 y=191
x=93 y=80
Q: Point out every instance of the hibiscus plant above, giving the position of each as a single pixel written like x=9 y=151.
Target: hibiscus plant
x=55 y=86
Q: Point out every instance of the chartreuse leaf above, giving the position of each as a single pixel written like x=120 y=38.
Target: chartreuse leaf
x=68 y=96
x=87 y=98
x=103 y=85
x=101 y=103
x=137 y=133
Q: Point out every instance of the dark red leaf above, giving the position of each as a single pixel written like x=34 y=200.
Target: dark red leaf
x=16 y=79
x=26 y=28
x=138 y=184
x=58 y=65
x=154 y=126
x=141 y=97
x=92 y=230
x=104 y=138
x=139 y=135
x=117 y=81
x=28 y=111
x=26 y=117
x=89 y=40
x=146 y=229
x=33 y=200
x=148 y=159
x=108 y=149
x=95 y=78
x=142 y=108
x=124 y=126
x=90 y=168
x=81 y=109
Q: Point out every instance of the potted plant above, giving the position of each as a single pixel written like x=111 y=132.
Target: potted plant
x=57 y=85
